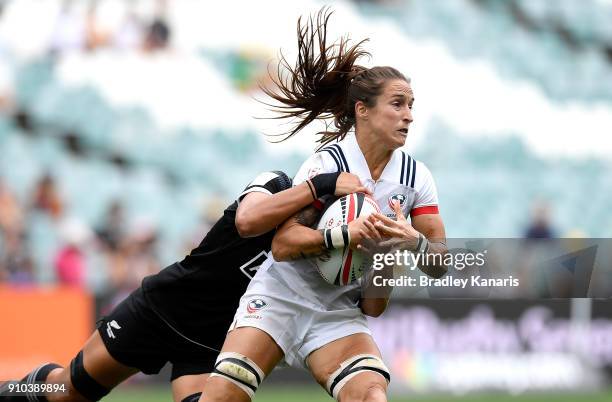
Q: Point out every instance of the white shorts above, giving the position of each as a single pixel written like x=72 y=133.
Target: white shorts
x=299 y=326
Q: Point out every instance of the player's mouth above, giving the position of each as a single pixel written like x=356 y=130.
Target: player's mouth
x=403 y=131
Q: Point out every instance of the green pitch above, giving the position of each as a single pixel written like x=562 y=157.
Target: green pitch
x=314 y=394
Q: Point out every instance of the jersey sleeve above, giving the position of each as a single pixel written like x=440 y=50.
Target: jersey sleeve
x=314 y=165
x=267 y=182
x=426 y=201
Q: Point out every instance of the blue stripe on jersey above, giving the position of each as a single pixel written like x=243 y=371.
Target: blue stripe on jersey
x=341 y=153
x=403 y=165
x=408 y=169
x=413 y=173
x=334 y=157
x=333 y=149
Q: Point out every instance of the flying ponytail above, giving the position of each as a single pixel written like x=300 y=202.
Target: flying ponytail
x=325 y=82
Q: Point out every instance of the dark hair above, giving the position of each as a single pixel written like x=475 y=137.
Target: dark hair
x=327 y=84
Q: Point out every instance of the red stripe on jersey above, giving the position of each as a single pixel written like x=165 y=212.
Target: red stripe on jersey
x=347 y=268
x=352 y=212
x=352 y=209
x=429 y=209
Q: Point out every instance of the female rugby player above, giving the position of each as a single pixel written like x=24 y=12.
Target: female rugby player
x=288 y=310
x=181 y=315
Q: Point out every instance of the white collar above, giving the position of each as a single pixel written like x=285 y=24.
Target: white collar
x=359 y=166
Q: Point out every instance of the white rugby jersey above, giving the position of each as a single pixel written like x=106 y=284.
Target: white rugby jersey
x=404 y=179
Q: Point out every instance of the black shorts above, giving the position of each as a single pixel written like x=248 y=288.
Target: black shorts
x=136 y=336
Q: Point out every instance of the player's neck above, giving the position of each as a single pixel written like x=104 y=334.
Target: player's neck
x=376 y=156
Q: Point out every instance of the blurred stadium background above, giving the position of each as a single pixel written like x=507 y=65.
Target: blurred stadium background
x=126 y=127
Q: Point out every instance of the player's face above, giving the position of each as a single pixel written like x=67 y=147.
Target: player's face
x=390 y=118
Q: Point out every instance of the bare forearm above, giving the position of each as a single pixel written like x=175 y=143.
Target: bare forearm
x=296 y=239
x=374 y=307
x=269 y=212
x=432 y=227
x=432 y=263
x=376 y=292
x=298 y=243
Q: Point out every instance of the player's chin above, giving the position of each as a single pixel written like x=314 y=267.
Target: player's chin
x=399 y=139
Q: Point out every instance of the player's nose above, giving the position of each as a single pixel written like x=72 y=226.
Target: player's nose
x=407 y=115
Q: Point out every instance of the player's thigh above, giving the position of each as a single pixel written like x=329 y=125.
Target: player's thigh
x=252 y=343
x=187 y=385
x=325 y=361
x=255 y=344
x=98 y=364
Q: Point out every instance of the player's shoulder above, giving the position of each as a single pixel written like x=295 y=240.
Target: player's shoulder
x=269 y=182
x=324 y=160
x=413 y=172
x=336 y=155
x=267 y=177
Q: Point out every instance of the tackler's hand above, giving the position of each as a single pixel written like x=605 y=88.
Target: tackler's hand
x=348 y=183
x=400 y=233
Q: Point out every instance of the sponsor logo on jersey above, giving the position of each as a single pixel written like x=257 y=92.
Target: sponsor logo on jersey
x=401 y=198
x=109 y=328
x=255 y=305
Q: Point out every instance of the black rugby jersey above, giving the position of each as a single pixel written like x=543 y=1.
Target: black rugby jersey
x=199 y=295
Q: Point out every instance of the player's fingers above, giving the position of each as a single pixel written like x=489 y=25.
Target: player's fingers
x=370 y=246
x=370 y=234
x=369 y=225
x=372 y=219
x=367 y=243
x=363 y=189
x=364 y=249
x=398 y=211
x=385 y=219
x=375 y=233
x=377 y=236
x=388 y=231
x=364 y=235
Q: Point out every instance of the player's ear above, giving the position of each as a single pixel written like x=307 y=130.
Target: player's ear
x=361 y=110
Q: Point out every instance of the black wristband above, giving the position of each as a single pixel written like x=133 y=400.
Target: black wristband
x=325 y=183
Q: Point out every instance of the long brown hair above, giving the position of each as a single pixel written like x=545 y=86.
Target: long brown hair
x=325 y=84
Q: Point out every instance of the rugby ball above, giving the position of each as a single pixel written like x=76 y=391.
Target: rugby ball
x=343 y=266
